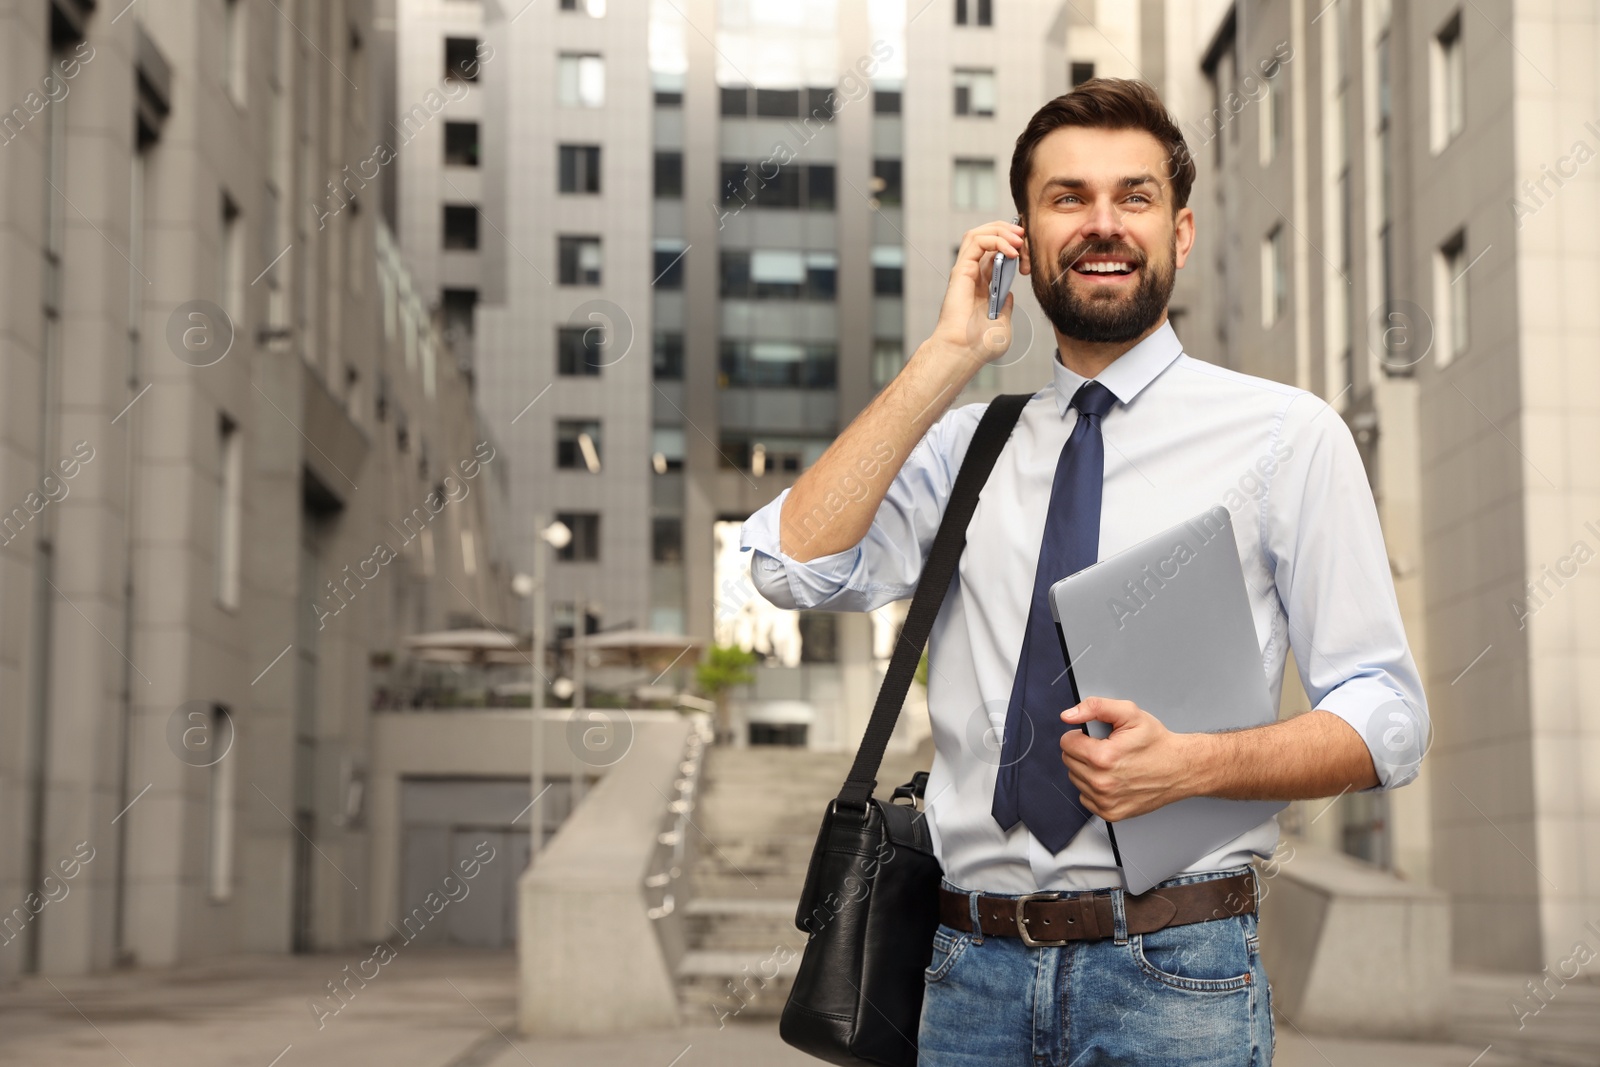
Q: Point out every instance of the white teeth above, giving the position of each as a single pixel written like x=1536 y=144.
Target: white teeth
x=1104 y=268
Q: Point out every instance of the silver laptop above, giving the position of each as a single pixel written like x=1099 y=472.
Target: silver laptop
x=1167 y=625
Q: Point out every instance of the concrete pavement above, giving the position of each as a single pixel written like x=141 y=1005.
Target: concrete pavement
x=443 y=1008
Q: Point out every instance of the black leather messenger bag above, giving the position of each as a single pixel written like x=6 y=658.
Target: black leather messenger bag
x=871 y=897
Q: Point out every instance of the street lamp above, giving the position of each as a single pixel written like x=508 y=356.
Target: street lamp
x=556 y=535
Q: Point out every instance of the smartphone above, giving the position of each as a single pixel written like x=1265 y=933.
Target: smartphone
x=1004 y=272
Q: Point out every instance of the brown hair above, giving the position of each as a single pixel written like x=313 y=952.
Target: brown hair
x=1107 y=104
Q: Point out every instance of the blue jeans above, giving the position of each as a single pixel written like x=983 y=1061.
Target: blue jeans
x=1193 y=995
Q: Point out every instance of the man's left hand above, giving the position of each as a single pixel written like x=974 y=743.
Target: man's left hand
x=1139 y=768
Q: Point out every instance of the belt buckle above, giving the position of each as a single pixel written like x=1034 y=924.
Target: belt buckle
x=1022 y=923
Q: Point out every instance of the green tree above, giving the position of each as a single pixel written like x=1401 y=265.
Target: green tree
x=724 y=667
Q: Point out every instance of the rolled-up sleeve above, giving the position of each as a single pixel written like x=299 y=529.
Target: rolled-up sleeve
x=885 y=565
x=1323 y=539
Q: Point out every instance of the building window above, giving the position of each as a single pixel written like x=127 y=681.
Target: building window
x=972 y=186
x=797 y=186
x=888 y=270
x=760 y=453
x=230 y=510
x=819 y=187
x=460 y=227
x=233 y=50
x=668 y=262
x=579 y=260
x=974 y=13
x=585 y=544
x=231 y=278
x=667 y=356
x=456 y=307
x=579 y=167
x=888 y=356
x=778 y=364
x=218 y=742
x=777 y=103
x=1080 y=72
x=581 y=80
x=819 y=637
x=1273 y=112
x=886 y=98
x=781 y=274
x=668 y=88
x=735 y=101
x=781 y=189
x=886 y=182
x=1450 y=297
x=578 y=445
x=1447 y=85
x=666 y=539
x=461 y=59
x=974 y=92
x=579 y=351
x=666 y=449
x=669 y=176
x=461 y=144
x=819 y=105
x=353 y=399
x=1274 y=277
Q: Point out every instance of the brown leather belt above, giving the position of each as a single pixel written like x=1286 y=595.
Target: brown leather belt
x=1056 y=918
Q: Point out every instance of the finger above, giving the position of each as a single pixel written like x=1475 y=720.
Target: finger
x=1104 y=709
x=987 y=240
x=975 y=259
x=1083 y=751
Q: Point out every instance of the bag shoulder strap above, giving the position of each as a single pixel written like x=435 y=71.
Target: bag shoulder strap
x=993 y=431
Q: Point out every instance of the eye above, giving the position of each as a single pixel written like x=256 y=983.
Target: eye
x=1068 y=196
x=1140 y=196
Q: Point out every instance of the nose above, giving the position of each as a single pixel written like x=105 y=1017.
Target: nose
x=1103 y=220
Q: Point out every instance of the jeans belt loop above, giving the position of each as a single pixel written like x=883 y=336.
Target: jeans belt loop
x=977 y=919
x=1119 y=915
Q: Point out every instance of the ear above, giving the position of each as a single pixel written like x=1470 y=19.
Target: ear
x=1184 y=238
x=1026 y=264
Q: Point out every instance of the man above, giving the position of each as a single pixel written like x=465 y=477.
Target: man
x=1150 y=436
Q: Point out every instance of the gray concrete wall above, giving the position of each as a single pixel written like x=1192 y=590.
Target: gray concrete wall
x=583 y=901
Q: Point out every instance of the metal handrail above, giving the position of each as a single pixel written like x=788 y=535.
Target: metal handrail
x=672 y=841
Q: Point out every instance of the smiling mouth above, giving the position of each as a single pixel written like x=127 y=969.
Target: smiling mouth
x=1121 y=270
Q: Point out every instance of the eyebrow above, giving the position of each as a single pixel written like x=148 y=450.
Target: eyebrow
x=1131 y=182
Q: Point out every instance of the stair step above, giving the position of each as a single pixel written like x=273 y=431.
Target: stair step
x=731 y=983
x=758 y=810
x=737 y=906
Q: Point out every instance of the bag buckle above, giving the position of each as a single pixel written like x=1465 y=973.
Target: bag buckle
x=912 y=790
x=1022 y=921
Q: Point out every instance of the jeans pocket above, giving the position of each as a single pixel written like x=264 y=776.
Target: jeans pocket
x=948 y=945
x=1205 y=957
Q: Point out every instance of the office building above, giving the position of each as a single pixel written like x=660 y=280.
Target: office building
x=232 y=478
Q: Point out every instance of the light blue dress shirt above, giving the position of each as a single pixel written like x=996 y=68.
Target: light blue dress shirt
x=1184 y=436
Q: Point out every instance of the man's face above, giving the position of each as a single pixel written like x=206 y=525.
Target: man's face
x=1104 y=243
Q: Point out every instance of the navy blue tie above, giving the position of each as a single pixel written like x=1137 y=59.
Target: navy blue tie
x=1032 y=784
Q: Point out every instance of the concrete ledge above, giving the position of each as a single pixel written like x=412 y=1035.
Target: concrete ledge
x=1353 y=950
x=590 y=957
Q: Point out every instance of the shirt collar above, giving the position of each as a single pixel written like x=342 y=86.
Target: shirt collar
x=1128 y=373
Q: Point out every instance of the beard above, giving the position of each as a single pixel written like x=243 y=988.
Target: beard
x=1110 y=317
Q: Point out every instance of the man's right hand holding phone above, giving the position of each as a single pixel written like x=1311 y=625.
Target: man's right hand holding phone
x=962 y=343
x=965 y=329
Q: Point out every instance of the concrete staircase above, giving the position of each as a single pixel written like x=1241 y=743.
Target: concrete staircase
x=758 y=815
x=1558 y=1025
